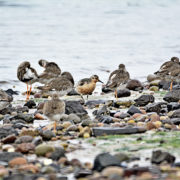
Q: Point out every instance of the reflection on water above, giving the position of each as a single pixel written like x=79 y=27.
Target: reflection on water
x=84 y=36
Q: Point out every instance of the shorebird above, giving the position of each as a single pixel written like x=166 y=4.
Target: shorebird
x=61 y=85
x=118 y=77
x=5 y=99
x=54 y=109
x=51 y=71
x=28 y=75
x=169 y=71
x=68 y=76
x=87 y=85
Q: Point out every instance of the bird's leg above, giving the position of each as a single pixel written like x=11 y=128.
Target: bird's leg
x=30 y=90
x=55 y=125
x=87 y=97
x=116 y=94
x=171 y=86
x=27 y=93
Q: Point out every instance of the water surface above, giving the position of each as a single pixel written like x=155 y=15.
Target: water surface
x=88 y=37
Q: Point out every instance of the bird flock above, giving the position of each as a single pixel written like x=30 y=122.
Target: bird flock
x=62 y=83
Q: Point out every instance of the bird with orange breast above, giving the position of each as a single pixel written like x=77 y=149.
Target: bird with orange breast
x=28 y=75
x=87 y=85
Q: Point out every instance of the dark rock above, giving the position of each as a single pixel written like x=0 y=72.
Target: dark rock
x=132 y=110
x=101 y=131
x=8 y=156
x=172 y=96
x=9 y=139
x=165 y=85
x=28 y=118
x=80 y=173
x=106 y=89
x=105 y=119
x=7 y=110
x=22 y=109
x=103 y=111
x=124 y=115
x=37 y=140
x=176 y=114
x=175 y=121
x=73 y=92
x=160 y=156
x=48 y=135
x=24 y=139
x=123 y=93
x=143 y=100
x=104 y=160
x=155 y=107
x=94 y=103
x=74 y=107
x=10 y=92
x=134 y=85
x=58 y=153
x=30 y=104
x=173 y=106
x=7 y=130
x=19 y=125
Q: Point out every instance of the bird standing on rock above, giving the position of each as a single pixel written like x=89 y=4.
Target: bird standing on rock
x=87 y=85
x=28 y=75
x=169 y=71
x=54 y=109
x=118 y=77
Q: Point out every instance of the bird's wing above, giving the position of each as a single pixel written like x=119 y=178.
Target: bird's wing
x=84 y=81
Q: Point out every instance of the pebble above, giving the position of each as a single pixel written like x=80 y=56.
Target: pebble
x=107 y=172
x=17 y=162
x=43 y=149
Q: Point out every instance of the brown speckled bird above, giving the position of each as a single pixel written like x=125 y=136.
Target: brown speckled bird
x=54 y=109
x=51 y=71
x=169 y=71
x=87 y=85
x=28 y=75
x=117 y=78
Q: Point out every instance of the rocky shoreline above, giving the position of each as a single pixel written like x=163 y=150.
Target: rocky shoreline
x=135 y=136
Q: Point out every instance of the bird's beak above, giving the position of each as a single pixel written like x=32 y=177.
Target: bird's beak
x=100 y=81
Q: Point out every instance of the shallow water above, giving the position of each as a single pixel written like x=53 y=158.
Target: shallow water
x=88 y=37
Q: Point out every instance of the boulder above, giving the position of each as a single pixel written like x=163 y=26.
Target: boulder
x=101 y=131
x=94 y=103
x=172 y=96
x=173 y=106
x=155 y=107
x=123 y=93
x=7 y=130
x=74 y=107
x=134 y=85
x=132 y=110
x=143 y=100
x=105 y=160
x=160 y=156
x=30 y=104
x=152 y=77
x=43 y=149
